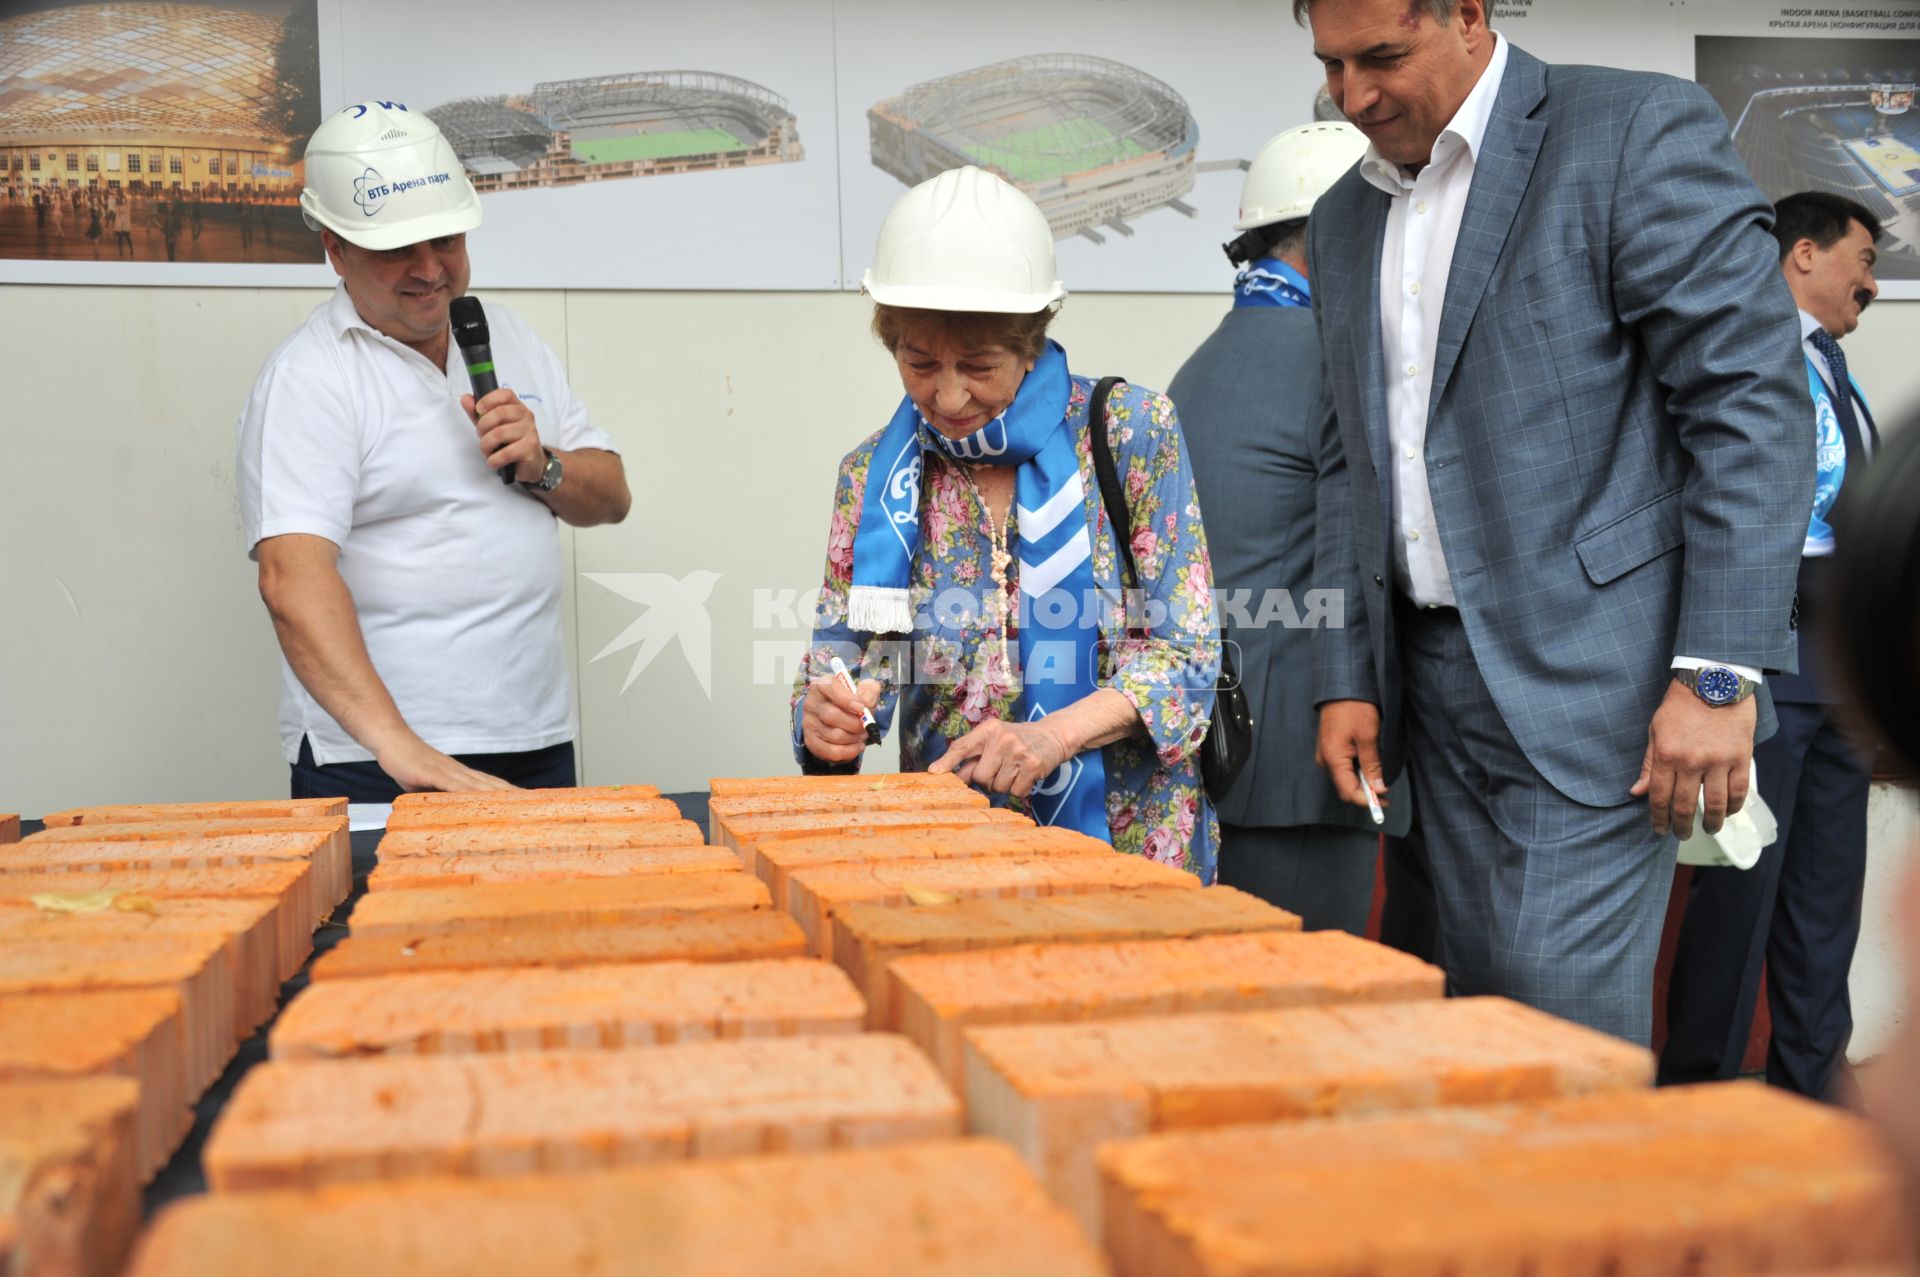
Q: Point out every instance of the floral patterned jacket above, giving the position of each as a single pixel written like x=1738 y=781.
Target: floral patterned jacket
x=954 y=672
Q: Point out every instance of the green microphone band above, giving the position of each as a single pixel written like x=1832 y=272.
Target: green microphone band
x=474 y=370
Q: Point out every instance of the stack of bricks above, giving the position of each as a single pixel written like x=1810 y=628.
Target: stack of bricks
x=935 y=1209
x=650 y=1007
x=139 y=946
x=1725 y=1178
x=69 y=1175
x=560 y=1018
x=442 y=840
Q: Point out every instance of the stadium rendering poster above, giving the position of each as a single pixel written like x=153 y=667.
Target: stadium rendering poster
x=145 y=143
x=756 y=144
x=1832 y=114
x=624 y=146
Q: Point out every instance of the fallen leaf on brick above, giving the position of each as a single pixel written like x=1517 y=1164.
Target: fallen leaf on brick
x=73 y=902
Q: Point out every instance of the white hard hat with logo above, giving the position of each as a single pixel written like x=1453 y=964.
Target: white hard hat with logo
x=381 y=177
x=965 y=240
x=1295 y=169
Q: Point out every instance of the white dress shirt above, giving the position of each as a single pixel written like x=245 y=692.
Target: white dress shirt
x=1423 y=222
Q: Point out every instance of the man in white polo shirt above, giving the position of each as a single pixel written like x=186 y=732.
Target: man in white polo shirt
x=415 y=594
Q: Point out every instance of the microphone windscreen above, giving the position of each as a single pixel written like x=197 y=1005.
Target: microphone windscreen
x=469 y=322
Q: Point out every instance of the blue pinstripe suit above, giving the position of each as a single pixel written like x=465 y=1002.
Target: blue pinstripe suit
x=1620 y=473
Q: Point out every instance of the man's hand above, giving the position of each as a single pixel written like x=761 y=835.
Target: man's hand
x=1350 y=730
x=1005 y=758
x=509 y=436
x=1692 y=745
x=416 y=765
x=830 y=722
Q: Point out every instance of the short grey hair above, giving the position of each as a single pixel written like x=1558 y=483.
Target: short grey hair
x=1438 y=10
x=1291 y=240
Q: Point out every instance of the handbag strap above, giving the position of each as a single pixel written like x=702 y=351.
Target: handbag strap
x=1112 y=495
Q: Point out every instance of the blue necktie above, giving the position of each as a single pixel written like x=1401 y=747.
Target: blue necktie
x=1842 y=396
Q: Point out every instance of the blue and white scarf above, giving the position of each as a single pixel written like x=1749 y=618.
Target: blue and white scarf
x=1830 y=459
x=1059 y=631
x=1268 y=281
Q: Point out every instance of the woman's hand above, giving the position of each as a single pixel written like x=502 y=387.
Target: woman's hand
x=830 y=722
x=1006 y=758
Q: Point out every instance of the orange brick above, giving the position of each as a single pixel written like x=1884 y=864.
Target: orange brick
x=305 y=1124
x=727 y=787
x=71 y=1198
x=409 y=803
x=1055 y=1091
x=577 y=1008
x=193 y=965
x=816 y=895
x=475 y=810
x=700 y=937
x=774 y=859
x=576 y=902
x=133 y=1033
x=944 y=1209
x=561 y=838
x=820 y=824
x=217 y=809
x=1706 y=1179
x=290 y=881
x=721 y=811
x=867 y=938
x=940 y=996
x=257 y=952
x=9 y=828
x=548 y=866
x=332 y=856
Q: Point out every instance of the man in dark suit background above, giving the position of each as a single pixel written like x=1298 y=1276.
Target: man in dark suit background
x=1249 y=401
x=1797 y=910
x=1568 y=413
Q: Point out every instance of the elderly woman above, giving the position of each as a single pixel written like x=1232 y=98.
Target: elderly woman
x=972 y=578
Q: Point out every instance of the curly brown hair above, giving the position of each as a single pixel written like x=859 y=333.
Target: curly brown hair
x=1024 y=335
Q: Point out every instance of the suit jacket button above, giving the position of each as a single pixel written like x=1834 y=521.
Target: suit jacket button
x=1377 y=580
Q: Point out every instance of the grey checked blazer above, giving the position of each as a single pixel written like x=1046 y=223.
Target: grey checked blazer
x=1616 y=441
x=1249 y=401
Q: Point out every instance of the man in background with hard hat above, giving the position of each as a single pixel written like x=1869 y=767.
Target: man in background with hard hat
x=1249 y=404
x=415 y=595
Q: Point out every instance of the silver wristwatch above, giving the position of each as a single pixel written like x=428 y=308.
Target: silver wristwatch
x=1717 y=685
x=549 y=478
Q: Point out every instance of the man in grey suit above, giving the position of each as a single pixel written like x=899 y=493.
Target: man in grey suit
x=1249 y=401
x=1569 y=413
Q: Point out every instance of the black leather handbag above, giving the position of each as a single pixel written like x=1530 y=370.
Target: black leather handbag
x=1230 y=737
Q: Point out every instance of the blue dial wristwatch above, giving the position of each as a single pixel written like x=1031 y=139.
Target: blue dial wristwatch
x=1717 y=685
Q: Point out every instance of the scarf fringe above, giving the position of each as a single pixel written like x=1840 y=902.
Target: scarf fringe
x=874 y=609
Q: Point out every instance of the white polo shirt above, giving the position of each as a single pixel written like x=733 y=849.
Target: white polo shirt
x=355 y=437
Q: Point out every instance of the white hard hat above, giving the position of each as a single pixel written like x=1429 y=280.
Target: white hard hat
x=964 y=240
x=381 y=177
x=1295 y=169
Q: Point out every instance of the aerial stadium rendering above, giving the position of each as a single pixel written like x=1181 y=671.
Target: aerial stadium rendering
x=1832 y=115
x=642 y=124
x=143 y=98
x=1093 y=141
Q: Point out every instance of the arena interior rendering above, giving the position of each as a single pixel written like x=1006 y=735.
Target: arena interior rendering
x=1850 y=130
x=142 y=98
x=1094 y=142
x=612 y=126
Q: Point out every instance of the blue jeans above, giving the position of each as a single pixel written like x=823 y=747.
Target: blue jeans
x=549 y=768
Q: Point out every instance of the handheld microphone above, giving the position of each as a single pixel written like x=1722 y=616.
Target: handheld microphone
x=471 y=335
